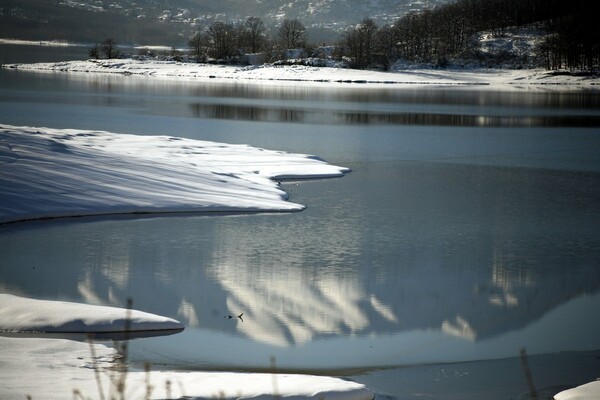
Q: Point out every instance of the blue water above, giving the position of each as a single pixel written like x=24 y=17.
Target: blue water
x=467 y=230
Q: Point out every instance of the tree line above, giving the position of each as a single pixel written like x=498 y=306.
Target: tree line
x=436 y=36
x=228 y=40
x=447 y=33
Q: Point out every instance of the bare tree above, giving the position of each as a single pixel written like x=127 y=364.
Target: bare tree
x=385 y=46
x=222 y=39
x=292 y=33
x=94 y=52
x=109 y=48
x=360 y=42
x=254 y=32
x=198 y=43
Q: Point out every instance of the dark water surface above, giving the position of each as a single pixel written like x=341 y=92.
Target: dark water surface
x=467 y=230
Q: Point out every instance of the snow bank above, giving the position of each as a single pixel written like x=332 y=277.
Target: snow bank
x=53 y=368
x=19 y=314
x=317 y=75
x=48 y=173
x=589 y=391
x=60 y=366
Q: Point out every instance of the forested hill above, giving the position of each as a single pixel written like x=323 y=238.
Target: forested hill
x=568 y=32
x=372 y=34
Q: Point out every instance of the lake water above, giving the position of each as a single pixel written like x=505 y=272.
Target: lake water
x=468 y=229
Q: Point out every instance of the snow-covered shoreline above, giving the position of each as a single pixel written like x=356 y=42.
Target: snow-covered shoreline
x=54 y=368
x=49 y=173
x=506 y=79
x=18 y=314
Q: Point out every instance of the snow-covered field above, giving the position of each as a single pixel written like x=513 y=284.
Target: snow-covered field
x=495 y=78
x=47 y=173
x=54 y=368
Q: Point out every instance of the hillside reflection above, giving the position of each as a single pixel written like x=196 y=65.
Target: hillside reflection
x=200 y=270
x=285 y=307
x=462 y=251
x=270 y=113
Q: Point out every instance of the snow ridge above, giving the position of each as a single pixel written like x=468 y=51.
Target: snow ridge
x=48 y=173
x=18 y=314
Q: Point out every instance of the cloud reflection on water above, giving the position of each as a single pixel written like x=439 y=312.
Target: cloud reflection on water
x=423 y=305
x=286 y=309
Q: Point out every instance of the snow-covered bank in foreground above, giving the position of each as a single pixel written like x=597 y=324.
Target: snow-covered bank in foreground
x=589 y=391
x=54 y=368
x=505 y=78
x=18 y=314
x=48 y=173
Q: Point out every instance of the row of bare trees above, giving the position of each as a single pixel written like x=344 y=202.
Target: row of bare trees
x=574 y=43
x=435 y=36
x=108 y=48
x=226 y=40
x=448 y=32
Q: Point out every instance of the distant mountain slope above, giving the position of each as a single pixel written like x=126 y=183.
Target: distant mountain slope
x=174 y=21
x=326 y=12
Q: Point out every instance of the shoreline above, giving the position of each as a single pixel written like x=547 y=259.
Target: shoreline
x=487 y=79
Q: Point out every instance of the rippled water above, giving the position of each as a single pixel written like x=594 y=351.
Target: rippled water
x=467 y=230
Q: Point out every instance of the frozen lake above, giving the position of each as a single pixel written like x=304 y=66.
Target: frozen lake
x=467 y=230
